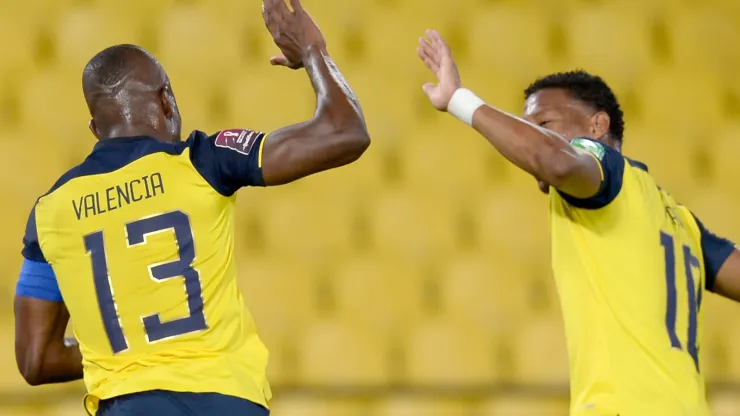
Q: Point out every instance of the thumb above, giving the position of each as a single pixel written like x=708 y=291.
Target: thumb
x=279 y=60
x=428 y=88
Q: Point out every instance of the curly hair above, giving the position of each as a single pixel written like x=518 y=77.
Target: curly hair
x=591 y=90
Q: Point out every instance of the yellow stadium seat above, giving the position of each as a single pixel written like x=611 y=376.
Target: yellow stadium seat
x=447 y=158
x=408 y=224
x=281 y=294
x=723 y=160
x=11 y=379
x=501 y=90
x=531 y=363
x=83 y=32
x=339 y=352
x=513 y=224
x=300 y=224
x=682 y=103
x=18 y=54
x=383 y=294
x=651 y=142
x=714 y=205
x=510 y=40
x=447 y=352
x=402 y=23
x=279 y=96
x=725 y=404
x=622 y=50
x=524 y=406
x=484 y=293
x=198 y=44
x=704 y=38
x=42 y=98
x=299 y=405
x=71 y=406
x=411 y=406
x=282 y=297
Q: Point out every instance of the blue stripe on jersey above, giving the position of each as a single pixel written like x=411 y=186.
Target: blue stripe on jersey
x=715 y=250
x=612 y=164
x=37 y=280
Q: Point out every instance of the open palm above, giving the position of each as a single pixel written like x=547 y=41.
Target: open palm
x=437 y=56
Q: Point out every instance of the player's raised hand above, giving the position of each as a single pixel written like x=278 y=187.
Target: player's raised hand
x=294 y=32
x=437 y=55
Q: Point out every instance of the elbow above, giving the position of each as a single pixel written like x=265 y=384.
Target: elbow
x=555 y=170
x=358 y=141
x=350 y=137
x=31 y=365
x=31 y=370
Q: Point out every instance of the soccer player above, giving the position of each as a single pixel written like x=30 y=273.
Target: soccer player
x=631 y=264
x=136 y=243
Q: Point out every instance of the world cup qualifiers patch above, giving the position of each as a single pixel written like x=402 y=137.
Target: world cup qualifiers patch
x=239 y=140
x=595 y=148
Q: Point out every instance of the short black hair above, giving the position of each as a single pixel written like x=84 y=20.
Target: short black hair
x=590 y=89
x=107 y=70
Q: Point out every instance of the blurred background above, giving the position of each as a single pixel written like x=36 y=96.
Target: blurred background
x=416 y=281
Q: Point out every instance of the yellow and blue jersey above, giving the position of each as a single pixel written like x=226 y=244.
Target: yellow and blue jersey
x=632 y=266
x=138 y=242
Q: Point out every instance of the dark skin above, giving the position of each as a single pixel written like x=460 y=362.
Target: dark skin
x=538 y=142
x=143 y=104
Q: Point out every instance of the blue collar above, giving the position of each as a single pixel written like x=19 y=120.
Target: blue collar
x=636 y=164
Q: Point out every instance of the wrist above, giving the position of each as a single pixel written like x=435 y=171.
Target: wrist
x=463 y=105
x=314 y=50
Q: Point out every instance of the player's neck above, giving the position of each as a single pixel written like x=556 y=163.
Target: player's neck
x=119 y=131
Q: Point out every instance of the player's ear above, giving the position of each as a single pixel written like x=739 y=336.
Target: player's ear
x=168 y=102
x=600 y=123
x=94 y=129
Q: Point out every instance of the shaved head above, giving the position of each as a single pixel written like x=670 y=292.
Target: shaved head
x=128 y=93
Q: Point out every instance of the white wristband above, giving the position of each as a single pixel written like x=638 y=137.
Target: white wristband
x=463 y=105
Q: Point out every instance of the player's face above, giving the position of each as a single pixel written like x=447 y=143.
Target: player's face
x=555 y=109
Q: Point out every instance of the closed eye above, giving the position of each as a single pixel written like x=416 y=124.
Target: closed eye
x=544 y=123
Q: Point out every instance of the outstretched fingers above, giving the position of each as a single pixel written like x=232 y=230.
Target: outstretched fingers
x=296 y=5
x=428 y=55
x=429 y=61
x=275 y=7
x=439 y=43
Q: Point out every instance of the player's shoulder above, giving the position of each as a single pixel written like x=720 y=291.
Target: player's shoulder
x=241 y=141
x=229 y=159
x=612 y=164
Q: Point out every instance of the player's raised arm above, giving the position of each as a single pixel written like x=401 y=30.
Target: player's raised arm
x=336 y=135
x=541 y=152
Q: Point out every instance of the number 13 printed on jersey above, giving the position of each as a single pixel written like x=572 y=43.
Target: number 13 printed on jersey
x=137 y=233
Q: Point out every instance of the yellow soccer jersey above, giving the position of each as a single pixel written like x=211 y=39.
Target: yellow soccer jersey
x=631 y=266
x=140 y=237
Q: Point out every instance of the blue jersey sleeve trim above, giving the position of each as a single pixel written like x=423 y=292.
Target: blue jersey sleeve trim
x=612 y=165
x=225 y=164
x=37 y=280
x=31 y=249
x=715 y=250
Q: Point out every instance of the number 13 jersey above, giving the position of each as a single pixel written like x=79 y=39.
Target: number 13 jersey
x=140 y=237
x=631 y=266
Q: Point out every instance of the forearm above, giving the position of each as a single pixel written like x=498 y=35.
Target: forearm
x=335 y=136
x=62 y=364
x=335 y=99
x=59 y=362
x=537 y=151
